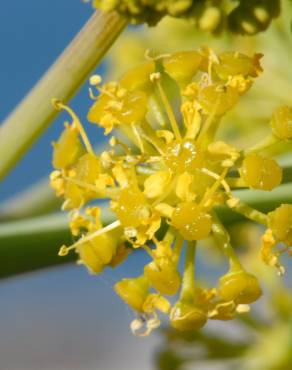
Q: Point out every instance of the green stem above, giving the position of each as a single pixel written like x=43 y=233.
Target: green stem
x=37 y=200
x=177 y=248
x=250 y=213
x=264 y=144
x=34 y=114
x=223 y=240
x=188 y=284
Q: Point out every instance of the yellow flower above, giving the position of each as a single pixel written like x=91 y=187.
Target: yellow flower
x=239 y=287
x=186 y=316
x=116 y=106
x=68 y=148
x=164 y=183
x=154 y=185
x=133 y=291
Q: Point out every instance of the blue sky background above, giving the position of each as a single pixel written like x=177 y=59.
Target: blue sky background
x=33 y=34
x=62 y=318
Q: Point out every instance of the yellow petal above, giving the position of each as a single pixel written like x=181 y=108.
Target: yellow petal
x=155 y=184
x=221 y=151
x=183 y=187
x=120 y=175
x=156 y=301
x=164 y=209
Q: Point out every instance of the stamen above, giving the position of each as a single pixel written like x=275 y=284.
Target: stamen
x=155 y=77
x=149 y=324
x=218 y=178
x=243 y=308
x=91 y=94
x=150 y=57
x=108 y=192
x=128 y=132
x=138 y=137
x=114 y=141
x=95 y=80
x=148 y=250
x=59 y=105
x=170 y=188
x=206 y=127
x=87 y=238
x=219 y=181
x=150 y=135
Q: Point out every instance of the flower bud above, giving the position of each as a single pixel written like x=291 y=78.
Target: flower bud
x=182 y=66
x=218 y=98
x=117 y=105
x=131 y=207
x=241 y=287
x=89 y=258
x=251 y=17
x=133 y=291
x=233 y=63
x=280 y=222
x=67 y=149
x=261 y=173
x=164 y=278
x=97 y=253
x=139 y=78
x=191 y=221
x=86 y=171
x=185 y=316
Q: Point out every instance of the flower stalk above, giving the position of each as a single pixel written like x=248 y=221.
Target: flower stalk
x=34 y=114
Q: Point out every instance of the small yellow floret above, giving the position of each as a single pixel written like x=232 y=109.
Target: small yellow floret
x=133 y=291
x=240 y=287
x=186 y=317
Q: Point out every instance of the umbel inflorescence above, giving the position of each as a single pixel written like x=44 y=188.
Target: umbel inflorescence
x=239 y=16
x=165 y=182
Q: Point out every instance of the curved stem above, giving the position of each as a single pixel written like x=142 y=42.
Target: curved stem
x=34 y=114
x=262 y=145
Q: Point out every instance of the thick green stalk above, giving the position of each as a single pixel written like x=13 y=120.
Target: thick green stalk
x=34 y=114
x=33 y=243
x=38 y=199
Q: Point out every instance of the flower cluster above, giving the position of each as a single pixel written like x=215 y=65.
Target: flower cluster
x=165 y=181
x=245 y=17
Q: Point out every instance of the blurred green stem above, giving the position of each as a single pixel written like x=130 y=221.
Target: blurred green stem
x=33 y=243
x=34 y=114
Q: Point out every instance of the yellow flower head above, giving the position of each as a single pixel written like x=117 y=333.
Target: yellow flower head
x=164 y=183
